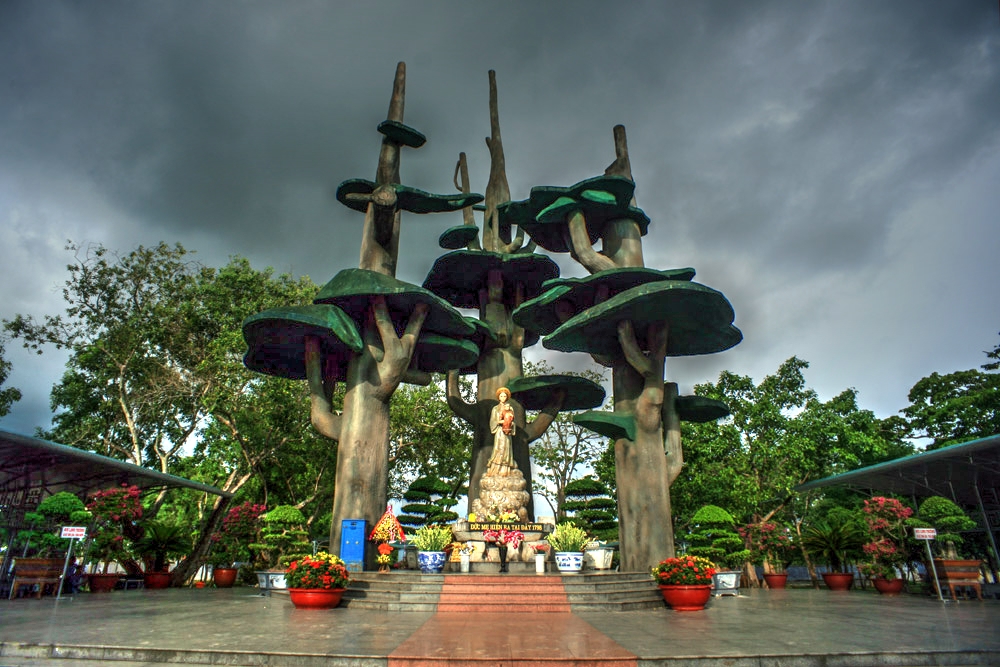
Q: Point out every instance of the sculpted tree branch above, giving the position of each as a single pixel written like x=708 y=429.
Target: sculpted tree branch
x=582 y=250
x=324 y=419
x=672 y=432
x=650 y=401
x=534 y=430
x=397 y=351
x=463 y=410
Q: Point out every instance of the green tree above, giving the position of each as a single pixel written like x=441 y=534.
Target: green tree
x=427 y=439
x=10 y=395
x=779 y=435
x=956 y=407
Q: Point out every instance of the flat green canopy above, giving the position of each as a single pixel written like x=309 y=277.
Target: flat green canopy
x=546 y=211
x=409 y=199
x=699 y=318
x=439 y=354
x=276 y=339
x=573 y=295
x=535 y=392
x=352 y=290
x=609 y=424
x=699 y=409
x=458 y=276
x=454 y=238
x=402 y=134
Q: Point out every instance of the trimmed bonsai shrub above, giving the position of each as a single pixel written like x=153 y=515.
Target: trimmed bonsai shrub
x=713 y=536
x=283 y=538
x=429 y=503
x=42 y=535
x=948 y=519
x=591 y=508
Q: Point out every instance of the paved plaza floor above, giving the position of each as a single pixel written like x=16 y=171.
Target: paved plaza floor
x=796 y=628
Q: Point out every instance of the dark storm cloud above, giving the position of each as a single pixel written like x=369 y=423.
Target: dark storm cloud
x=775 y=145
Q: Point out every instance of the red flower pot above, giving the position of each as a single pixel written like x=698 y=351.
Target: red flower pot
x=224 y=577
x=888 y=586
x=156 y=580
x=775 y=580
x=315 y=598
x=686 y=598
x=102 y=583
x=838 y=581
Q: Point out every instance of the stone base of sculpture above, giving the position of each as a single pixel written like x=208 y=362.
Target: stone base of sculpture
x=502 y=493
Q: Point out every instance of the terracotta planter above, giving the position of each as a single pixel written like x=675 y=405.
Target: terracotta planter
x=315 y=598
x=776 y=580
x=686 y=598
x=102 y=583
x=838 y=581
x=224 y=577
x=156 y=580
x=887 y=586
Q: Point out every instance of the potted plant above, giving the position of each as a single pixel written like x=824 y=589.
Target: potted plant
x=836 y=542
x=568 y=542
x=771 y=547
x=430 y=542
x=713 y=537
x=949 y=520
x=114 y=512
x=231 y=544
x=160 y=542
x=685 y=581
x=885 y=552
x=316 y=582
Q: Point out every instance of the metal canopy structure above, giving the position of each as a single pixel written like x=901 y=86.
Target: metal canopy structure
x=968 y=473
x=38 y=467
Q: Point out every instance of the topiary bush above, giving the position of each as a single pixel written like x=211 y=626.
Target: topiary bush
x=42 y=535
x=713 y=536
x=283 y=537
x=429 y=503
x=590 y=507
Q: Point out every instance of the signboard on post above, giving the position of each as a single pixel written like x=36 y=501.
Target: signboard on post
x=924 y=533
x=928 y=534
x=73 y=532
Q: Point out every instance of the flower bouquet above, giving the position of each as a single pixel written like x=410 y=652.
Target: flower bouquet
x=384 y=558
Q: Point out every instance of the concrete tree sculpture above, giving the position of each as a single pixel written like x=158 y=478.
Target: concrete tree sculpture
x=630 y=318
x=495 y=277
x=367 y=329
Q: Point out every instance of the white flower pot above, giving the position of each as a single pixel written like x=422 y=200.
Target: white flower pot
x=463 y=560
x=569 y=561
x=539 y=563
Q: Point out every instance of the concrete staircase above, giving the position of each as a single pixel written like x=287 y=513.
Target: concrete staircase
x=508 y=593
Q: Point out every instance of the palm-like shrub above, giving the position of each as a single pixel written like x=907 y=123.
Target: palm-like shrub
x=713 y=536
x=160 y=542
x=836 y=541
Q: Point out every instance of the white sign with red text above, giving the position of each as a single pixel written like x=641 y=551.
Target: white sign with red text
x=924 y=533
x=73 y=532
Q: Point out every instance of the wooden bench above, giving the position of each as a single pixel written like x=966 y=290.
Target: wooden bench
x=41 y=572
x=959 y=574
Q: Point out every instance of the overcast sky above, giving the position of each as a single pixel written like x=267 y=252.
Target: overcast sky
x=833 y=168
